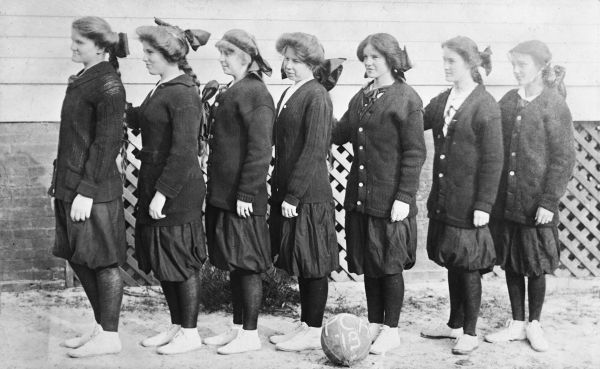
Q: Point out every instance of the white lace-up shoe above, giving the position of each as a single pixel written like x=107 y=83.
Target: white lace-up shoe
x=535 y=336
x=162 y=338
x=387 y=340
x=514 y=330
x=465 y=344
x=278 y=338
x=225 y=337
x=307 y=339
x=185 y=340
x=81 y=340
x=103 y=343
x=244 y=342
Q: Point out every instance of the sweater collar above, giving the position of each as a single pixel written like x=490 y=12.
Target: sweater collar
x=91 y=73
x=183 y=79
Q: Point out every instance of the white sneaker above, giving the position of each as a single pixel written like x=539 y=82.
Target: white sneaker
x=80 y=341
x=514 y=331
x=185 y=340
x=374 y=330
x=535 y=335
x=307 y=339
x=278 y=338
x=225 y=337
x=441 y=330
x=388 y=339
x=244 y=342
x=162 y=338
x=104 y=343
x=465 y=344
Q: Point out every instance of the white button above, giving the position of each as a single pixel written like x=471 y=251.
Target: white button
x=513 y=154
x=360 y=147
x=361 y=167
x=358 y=203
x=441 y=175
x=442 y=156
x=365 y=104
x=285 y=106
x=361 y=184
x=511 y=173
x=216 y=103
x=360 y=129
x=519 y=117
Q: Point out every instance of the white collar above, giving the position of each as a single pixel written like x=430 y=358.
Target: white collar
x=521 y=93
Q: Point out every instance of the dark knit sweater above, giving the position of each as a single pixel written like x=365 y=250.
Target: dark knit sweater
x=90 y=137
x=389 y=150
x=302 y=134
x=240 y=145
x=169 y=121
x=468 y=161
x=539 y=156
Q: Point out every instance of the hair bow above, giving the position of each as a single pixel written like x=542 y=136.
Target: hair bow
x=486 y=60
x=195 y=37
x=329 y=72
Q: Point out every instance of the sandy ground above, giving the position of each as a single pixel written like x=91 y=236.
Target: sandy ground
x=33 y=323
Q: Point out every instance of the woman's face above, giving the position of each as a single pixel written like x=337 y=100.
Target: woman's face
x=233 y=62
x=84 y=50
x=295 y=69
x=154 y=60
x=455 y=67
x=374 y=62
x=525 y=68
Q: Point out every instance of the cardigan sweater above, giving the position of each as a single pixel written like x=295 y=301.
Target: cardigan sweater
x=468 y=161
x=388 y=149
x=169 y=120
x=240 y=145
x=539 y=156
x=91 y=128
x=302 y=133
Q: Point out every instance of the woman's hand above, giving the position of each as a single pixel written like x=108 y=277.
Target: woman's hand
x=156 y=206
x=480 y=218
x=400 y=211
x=288 y=210
x=543 y=216
x=81 y=208
x=244 y=209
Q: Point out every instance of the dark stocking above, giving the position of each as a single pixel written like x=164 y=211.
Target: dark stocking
x=110 y=296
x=170 y=292
x=375 y=306
x=237 y=301
x=251 y=286
x=516 y=293
x=87 y=277
x=536 y=290
x=313 y=297
x=472 y=301
x=189 y=301
x=457 y=312
x=392 y=288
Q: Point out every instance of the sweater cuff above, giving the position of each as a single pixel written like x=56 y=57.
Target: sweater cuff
x=483 y=206
x=245 y=197
x=87 y=188
x=292 y=200
x=404 y=197
x=165 y=189
x=548 y=203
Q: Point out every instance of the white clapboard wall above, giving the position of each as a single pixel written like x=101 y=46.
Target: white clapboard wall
x=35 y=39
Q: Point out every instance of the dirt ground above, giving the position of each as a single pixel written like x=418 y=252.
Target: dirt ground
x=33 y=323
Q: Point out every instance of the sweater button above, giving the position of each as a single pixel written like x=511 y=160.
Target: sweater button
x=441 y=175
x=361 y=184
x=361 y=167
x=216 y=103
x=360 y=147
x=513 y=154
x=358 y=203
x=285 y=106
x=437 y=211
x=442 y=156
x=360 y=129
x=519 y=118
x=511 y=173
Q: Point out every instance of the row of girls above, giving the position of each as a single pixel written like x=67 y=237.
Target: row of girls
x=499 y=171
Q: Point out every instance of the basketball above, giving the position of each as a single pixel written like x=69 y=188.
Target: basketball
x=345 y=339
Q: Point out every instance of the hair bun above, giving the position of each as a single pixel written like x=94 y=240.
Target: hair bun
x=486 y=60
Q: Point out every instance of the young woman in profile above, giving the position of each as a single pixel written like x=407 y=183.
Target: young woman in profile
x=86 y=185
x=302 y=217
x=384 y=123
x=169 y=235
x=467 y=135
x=539 y=156
x=241 y=123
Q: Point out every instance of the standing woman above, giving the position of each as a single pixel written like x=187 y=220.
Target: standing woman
x=538 y=162
x=467 y=135
x=86 y=185
x=384 y=123
x=302 y=217
x=169 y=236
x=240 y=152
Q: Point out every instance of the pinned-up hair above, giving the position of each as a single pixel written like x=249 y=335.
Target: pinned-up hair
x=553 y=76
x=387 y=45
x=307 y=47
x=468 y=51
x=244 y=41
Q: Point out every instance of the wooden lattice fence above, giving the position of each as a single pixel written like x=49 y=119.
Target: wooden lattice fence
x=579 y=210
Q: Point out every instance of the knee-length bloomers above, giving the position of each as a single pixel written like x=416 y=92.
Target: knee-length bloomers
x=539 y=156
